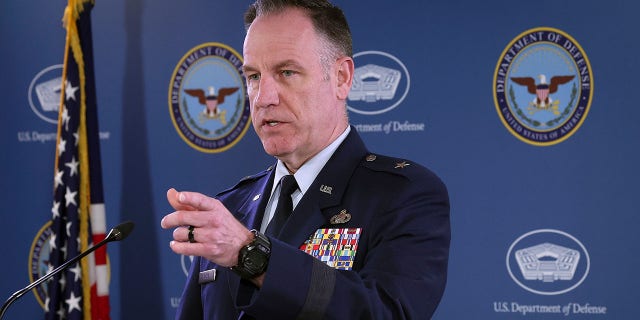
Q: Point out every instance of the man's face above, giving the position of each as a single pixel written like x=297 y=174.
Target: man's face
x=297 y=106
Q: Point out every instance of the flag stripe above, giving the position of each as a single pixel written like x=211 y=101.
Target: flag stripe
x=98 y=219
x=102 y=284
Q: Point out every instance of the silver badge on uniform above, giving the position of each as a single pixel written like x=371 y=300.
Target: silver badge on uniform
x=342 y=217
x=207 y=276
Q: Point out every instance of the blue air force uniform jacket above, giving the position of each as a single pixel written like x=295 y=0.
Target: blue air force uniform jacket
x=400 y=265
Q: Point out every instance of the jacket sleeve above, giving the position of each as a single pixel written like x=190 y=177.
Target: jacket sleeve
x=190 y=303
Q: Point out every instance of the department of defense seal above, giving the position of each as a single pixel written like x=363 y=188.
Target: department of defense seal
x=207 y=98
x=39 y=262
x=543 y=86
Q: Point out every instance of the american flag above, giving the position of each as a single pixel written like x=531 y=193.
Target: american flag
x=78 y=214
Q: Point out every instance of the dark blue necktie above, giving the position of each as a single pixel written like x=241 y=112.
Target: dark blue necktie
x=288 y=185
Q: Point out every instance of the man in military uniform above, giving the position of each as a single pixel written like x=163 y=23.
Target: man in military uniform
x=336 y=232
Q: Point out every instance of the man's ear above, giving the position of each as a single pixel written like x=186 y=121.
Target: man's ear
x=345 y=69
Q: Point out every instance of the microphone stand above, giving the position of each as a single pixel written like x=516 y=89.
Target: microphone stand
x=115 y=234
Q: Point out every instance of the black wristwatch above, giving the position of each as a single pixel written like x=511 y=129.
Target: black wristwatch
x=253 y=258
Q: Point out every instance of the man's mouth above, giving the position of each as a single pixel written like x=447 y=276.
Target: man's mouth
x=272 y=123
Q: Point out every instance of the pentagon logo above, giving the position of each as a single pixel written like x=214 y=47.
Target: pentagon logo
x=548 y=262
x=379 y=84
x=44 y=93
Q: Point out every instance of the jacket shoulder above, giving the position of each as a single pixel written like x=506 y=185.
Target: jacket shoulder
x=397 y=166
x=246 y=181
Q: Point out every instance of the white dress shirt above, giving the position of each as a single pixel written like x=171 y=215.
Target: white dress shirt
x=304 y=177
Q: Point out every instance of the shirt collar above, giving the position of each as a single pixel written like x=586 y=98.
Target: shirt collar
x=310 y=169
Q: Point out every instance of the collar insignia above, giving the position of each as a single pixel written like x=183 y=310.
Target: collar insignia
x=402 y=164
x=326 y=189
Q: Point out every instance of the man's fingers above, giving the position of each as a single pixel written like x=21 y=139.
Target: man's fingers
x=189 y=207
x=182 y=234
x=174 y=201
x=186 y=248
x=182 y=218
x=185 y=200
x=172 y=197
x=196 y=200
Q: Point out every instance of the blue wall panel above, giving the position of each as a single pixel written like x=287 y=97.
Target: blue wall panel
x=578 y=194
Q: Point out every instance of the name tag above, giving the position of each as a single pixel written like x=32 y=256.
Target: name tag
x=207 y=276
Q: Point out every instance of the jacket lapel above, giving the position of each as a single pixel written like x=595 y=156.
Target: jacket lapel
x=317 y=206
x=250 y=213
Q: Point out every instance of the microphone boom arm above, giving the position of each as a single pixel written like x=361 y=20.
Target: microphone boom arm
x=116 y=234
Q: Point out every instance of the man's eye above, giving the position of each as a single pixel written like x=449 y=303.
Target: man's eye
x=287 y=73
x=253 y=77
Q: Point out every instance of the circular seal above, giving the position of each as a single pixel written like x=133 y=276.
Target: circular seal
x=543 y=86
x=44 y=93
x=185 y=263
x=548 y=262
x=40 y=265
x=39 y=261
x=207 y=98
x=380 y=83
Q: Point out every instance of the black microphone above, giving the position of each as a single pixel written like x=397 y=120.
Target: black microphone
x=119 y=232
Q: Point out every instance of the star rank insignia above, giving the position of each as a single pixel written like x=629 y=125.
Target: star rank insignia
x=401 y=165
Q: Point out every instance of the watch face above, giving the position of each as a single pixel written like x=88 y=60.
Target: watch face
x=254 y=257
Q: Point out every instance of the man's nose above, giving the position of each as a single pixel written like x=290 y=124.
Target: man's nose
x=267 y=94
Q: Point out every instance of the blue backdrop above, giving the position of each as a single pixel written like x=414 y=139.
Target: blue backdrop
x=542 y=225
